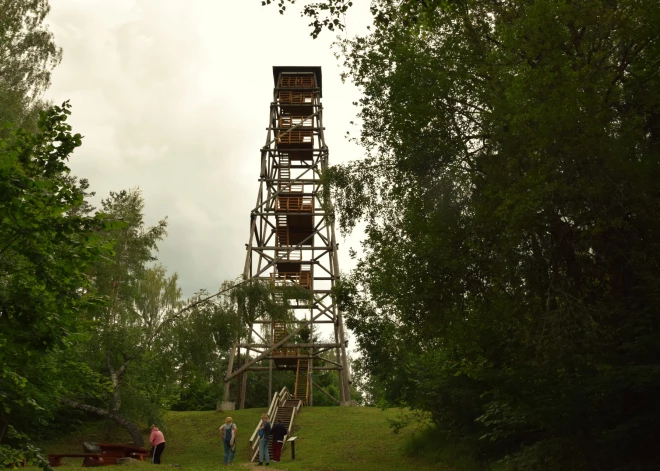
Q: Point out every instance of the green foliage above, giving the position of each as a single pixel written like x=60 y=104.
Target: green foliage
x=46 y=243
x=328 y=14
x=200 y=342
x=27 y=454
x=434 y=446
x=257 y=298
x=197 y=394
x=131 y=328
x=45 y=253
x=28 y=53
x=509 y=282
x=370 y=391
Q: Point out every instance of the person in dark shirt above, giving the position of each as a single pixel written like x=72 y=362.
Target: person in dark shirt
x=278 y=432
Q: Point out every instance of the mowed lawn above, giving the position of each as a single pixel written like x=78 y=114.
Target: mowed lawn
x=329 y=439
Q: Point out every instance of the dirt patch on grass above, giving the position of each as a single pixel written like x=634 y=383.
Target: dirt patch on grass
x=256 y=466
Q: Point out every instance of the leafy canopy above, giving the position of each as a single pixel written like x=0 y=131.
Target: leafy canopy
x=45 y=253
x=509 y=279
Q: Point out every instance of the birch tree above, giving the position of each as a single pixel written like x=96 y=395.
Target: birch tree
x=141 y=300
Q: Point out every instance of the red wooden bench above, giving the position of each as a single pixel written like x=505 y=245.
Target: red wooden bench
x=91 y=459
x=110 y=453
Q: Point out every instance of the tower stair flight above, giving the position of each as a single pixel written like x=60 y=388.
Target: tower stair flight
x=283 y=407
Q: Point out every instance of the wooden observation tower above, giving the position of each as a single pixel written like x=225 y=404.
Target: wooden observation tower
x=292 y=243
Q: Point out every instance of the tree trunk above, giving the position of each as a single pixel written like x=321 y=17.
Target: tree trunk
x=563 y=236
x=116 y=376
x=5 y=423
x=130 y=427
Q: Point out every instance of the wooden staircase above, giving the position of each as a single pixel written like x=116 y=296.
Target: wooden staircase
x=283 y=407
x=282 y=231
x=301 y=390
x=279 y=332
x=284 y=166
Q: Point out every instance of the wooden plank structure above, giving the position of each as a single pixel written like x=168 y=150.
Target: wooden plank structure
x=89 y=459
x=292 y=243
x=110 y=453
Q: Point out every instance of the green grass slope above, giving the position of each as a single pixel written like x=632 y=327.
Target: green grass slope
x=329 y=439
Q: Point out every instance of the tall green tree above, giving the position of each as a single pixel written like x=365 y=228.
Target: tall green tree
x=141 y=302
x=509 y=281
x=28 y=53
x=200 y=344
x=46 y=251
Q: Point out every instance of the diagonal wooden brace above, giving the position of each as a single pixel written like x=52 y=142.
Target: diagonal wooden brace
x=325 y=392
x=269 y=350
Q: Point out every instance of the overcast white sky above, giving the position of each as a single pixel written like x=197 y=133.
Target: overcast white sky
x=173 y=97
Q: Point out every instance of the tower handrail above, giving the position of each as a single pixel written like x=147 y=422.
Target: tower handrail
x=275 y=403
x=294 y=412
x=278 y=400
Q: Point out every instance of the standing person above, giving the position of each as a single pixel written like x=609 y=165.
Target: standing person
x=278 y=433
x=228 y=434
x=157 y=441
x=264 y=435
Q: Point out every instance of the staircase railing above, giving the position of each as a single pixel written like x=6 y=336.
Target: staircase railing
x=302 y=376
x=294 y=413
x=279 y=399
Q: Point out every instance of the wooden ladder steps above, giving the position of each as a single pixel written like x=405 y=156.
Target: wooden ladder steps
x=302 y=384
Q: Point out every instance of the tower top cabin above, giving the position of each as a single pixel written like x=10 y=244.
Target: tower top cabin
x=298 y=77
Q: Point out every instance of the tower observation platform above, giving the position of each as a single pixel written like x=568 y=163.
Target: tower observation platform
x=292 y=244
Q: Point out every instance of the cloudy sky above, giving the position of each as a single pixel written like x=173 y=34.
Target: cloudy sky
x=173 y=97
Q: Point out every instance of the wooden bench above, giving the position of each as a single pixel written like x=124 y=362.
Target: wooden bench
x=90 y=459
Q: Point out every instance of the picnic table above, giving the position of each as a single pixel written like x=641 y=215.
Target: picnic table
x=90 y=459
x=110 y=453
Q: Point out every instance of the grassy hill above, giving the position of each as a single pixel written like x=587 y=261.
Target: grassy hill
x=329 y=439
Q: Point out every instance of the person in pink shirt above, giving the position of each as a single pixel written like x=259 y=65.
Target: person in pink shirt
x=157 y=443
